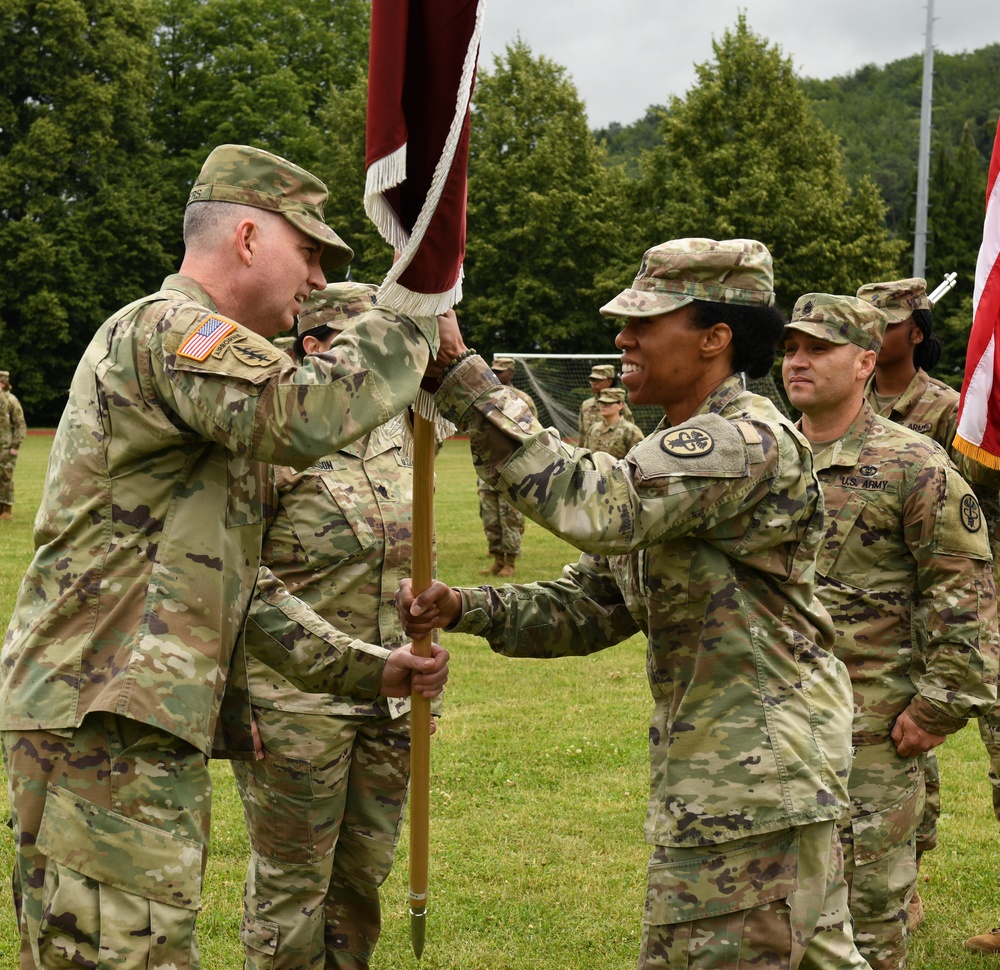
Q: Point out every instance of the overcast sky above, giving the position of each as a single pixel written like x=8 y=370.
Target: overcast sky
x=624 y=55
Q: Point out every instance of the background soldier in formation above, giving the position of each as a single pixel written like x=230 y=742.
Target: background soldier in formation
x=902 y=389
x=905 y=570
x=12 y=432
x=324 y=801
x=602 y=377
x=612 y=432
x=116 y=664
x=705 y=538
x=502 y=522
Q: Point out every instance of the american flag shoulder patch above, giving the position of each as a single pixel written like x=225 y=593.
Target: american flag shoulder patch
x=210 y=333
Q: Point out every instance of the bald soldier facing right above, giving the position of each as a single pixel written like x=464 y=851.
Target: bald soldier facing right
x=121 y=668
x=906 y=572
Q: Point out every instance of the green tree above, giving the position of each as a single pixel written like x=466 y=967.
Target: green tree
x=82 y=227
x=743 y=156
x=545 y=213
x=253 y=72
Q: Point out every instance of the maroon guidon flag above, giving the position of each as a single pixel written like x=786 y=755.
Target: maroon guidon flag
x=421 y=72
x=979 y=409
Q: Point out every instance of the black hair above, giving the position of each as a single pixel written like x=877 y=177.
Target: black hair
x=928 y=352
x=320 y=333
x=757 y=331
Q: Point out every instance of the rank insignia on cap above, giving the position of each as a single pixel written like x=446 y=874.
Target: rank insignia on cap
x=206 y=338
x=687 y=443
x=972 y=518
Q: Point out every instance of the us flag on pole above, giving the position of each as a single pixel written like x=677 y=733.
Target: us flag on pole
x=422 y=67
x=979 y=409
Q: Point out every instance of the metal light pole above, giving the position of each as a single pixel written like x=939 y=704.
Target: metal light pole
x=924 y=156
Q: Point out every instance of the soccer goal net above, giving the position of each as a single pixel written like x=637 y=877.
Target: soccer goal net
x=560 y=383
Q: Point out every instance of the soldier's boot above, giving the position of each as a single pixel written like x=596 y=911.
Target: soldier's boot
x=495 y=568
x=985 y=942
x=5 y=512
x=507 y=566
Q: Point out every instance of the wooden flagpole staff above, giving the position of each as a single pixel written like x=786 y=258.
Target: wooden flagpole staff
x=420 y=709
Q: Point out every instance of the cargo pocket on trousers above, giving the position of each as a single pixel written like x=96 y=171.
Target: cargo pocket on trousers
x=884 y=862
x=136 y=887
x=704 y=886
x=260 y=940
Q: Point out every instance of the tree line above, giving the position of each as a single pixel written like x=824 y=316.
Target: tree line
x=109 y=107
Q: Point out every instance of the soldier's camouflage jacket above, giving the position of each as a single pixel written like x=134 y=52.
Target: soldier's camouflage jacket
x=148 y=537
x=617 y=440
x=13 y=430
x=931 y=407
x=704 y=538
x=590 y=411
x=905 y=571
x=342 y=542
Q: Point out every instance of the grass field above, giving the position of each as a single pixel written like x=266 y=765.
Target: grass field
x=538 y=791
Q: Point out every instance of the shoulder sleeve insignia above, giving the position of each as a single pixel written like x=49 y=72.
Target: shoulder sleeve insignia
x=210 y=333
x=254 y=356
x=687 y=443
x=972 y=517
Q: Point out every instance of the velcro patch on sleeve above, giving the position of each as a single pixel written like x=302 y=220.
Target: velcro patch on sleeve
x=211 y=331
x=708 y=446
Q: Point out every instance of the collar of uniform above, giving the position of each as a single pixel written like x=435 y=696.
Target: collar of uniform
x=191 y=288
x=722 y=396
x=846 y=452
x=913 y=393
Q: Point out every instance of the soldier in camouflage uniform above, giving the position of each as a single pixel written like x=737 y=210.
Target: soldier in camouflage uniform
x=704 y=538
x=325 y=802
x=502 y=522
x=905 y=570
x=124 y=666
x=901 y=389
x=612 y=433
x=602 y=377
x=12 y=432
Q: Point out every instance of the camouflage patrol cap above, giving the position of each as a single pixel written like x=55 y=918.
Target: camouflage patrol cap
x=839 y=320
x=338 y=306
x=502 y=363
x=251 y=176
x=4 y=375
x=897 y=299
x=602 y=372
x=612 y=395
x=675 y=273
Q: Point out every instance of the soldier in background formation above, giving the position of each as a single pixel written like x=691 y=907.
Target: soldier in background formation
x=602 y=377
x=704 y=537
x=146 y=583
x=612 y=432
x=502 y=522
x=12 y=432
x=324 y=799
x=905 y=570
x=901 y=389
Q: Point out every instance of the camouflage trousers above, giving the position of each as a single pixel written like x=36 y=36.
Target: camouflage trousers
x=324 y=810
x=777 y=900
x=111 y=826
x=502 y=523
x=927 y=838
x=7 y=463
x=887 y=800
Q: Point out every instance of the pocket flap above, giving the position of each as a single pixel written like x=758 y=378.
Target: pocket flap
x=119 y=851
x=259 y=934
x=727 y=883
x=878 y=833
